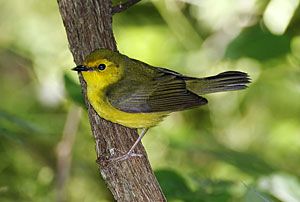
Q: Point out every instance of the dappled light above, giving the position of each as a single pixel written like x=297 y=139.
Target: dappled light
x=242 y=146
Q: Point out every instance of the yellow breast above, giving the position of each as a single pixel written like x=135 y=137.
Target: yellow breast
x=104 y=109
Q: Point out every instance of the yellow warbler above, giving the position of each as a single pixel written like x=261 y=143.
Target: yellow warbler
x=137 y=95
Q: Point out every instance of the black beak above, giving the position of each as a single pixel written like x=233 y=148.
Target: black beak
x=80 y=68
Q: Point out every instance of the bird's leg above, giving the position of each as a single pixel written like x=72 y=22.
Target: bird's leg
x=129 y=153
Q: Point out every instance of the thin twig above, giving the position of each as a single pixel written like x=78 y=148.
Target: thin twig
x=64 y=150
x=123 y=6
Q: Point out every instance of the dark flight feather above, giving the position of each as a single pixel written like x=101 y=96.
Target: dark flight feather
x=226 y=81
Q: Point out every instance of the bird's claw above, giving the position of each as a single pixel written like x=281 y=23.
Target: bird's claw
x=124 y=157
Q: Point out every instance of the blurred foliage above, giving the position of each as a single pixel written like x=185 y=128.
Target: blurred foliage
x=242 y=146
x=174 y=185
x=256 y=43
x=72 y=90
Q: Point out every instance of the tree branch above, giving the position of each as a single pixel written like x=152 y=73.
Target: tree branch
x=88 y=24
x=123 y=6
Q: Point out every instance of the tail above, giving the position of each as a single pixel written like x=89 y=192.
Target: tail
x=226 y=81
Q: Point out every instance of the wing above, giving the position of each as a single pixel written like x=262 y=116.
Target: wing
x=165 y=91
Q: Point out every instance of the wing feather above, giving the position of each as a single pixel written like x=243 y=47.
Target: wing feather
x=165 y=91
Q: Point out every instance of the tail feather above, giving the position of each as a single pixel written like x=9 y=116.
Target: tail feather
x=226 y=81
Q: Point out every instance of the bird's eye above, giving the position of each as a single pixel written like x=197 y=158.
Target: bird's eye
x=101 y=66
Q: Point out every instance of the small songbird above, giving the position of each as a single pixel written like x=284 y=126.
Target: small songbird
x=137 y=95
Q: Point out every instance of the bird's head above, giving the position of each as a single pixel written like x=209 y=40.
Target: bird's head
x=101 y=68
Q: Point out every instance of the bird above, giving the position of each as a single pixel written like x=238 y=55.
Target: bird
x=137 y=95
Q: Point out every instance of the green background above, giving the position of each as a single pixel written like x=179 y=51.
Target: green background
x=242 y=146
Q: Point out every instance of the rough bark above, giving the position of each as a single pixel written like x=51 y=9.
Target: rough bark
x=88 y=24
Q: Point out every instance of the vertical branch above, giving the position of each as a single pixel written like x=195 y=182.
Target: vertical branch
x=88 y=24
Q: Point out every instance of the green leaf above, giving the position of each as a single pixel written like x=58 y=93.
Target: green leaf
x=73 y=90
x=17 y=122
x=254 y=42
x=246 y=162
x=253 y=194
x=173 y=184
x=176 y=188
x=214 y=190
x=35 y=139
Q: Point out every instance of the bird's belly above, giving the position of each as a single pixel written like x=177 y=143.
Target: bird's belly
x=132 y=120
